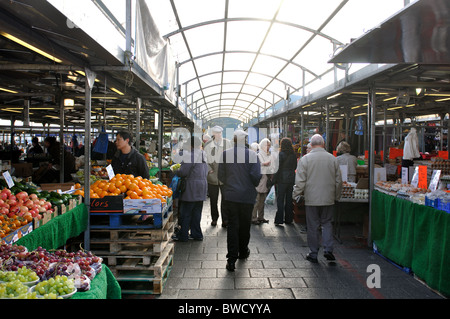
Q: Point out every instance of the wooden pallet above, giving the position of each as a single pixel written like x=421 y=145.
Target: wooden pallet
x=138 y=279
x=115 y=246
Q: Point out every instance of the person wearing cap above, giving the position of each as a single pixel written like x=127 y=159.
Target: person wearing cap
x=240 y=173
x=214 y=149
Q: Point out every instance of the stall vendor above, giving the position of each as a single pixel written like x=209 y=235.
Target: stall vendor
x=127 y=159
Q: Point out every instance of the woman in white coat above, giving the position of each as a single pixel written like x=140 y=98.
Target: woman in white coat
x=267 y=168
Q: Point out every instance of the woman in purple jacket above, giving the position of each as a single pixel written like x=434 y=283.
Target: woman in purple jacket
x=195 y=169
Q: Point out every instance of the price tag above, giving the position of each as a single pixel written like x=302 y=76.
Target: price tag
x=8 y=179
x=415 y=177
x=405 y=175
x=380 y=174
x=110 y=171
x=344 y=172
x=422 y=177
x=435 y=180
x=443 y=154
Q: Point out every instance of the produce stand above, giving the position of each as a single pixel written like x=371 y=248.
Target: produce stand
x=55 y=234
x=414 y=237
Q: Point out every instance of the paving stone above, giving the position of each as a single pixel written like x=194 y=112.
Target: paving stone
x=274 y=272
x=278 y=264
x=254 y=283
x=217 y=283
x=200 y=273
x=182 y=283
x=202 y=257
x=312 y=293
x=287 y=282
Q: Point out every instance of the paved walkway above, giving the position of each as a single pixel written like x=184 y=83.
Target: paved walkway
x=277 y=268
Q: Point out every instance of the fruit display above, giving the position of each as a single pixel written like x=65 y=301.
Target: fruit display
x=23 y=274
x=132 y=188
x=13 y=290
x=81 y=266
x=79 y=177
x=58 y=286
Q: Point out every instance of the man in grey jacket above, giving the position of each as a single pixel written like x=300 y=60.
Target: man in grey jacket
x=214 y=149
x=318 y=179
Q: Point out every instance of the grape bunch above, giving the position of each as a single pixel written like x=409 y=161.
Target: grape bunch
x=12 y=289
x=55 y=286
x=23 y=274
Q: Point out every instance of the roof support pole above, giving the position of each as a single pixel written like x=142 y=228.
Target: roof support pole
x=89 y=83
x=371 y=105
x=384 y=134
x=160 y=141
x=138 y=122
x=302 y=128
x=327 y=129
x=61 y=138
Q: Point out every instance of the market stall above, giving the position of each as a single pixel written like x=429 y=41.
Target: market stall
x=413 y=236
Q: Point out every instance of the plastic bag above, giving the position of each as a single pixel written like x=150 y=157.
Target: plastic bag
x=174 y=185
x=271 y=197
x=101 y=145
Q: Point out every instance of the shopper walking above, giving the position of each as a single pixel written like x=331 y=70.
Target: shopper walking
x=284 y=179
x=240 y=172
x=318 y=178
x=214 y=149
x=127 y=159
x=345 y=158
x=194 y=169
x=267 y=169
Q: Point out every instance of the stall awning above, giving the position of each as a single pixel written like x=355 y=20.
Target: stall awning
x=420 y=33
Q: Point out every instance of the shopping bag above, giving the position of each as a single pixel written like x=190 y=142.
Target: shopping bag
x=271 y=197
x=175 y=186
x=101 y=145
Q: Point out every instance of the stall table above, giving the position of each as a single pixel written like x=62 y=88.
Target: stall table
x=413 y=236
x=55 y=234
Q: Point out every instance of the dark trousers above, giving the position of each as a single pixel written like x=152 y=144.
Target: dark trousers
x=191 y=215
x=285 y=208
x=238 y=229
x=213 y=192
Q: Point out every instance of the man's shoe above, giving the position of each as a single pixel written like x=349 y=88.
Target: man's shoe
x=245 y=256
x=224 y=225
x=256 y=222
x=230 y=266
x=263 y=221
x=213 y=223
x=311 y=259
x=329 y=255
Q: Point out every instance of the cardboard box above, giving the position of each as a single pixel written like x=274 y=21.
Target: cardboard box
x=23 y=169
x=143 y=206
x=17 y=234
x=53 y=187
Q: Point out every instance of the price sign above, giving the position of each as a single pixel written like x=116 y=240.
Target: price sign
x=435 y=179
x=405 y=175
x=344 y=172
x=380 y=174
x=110 y=171
x=8 y=179
x=415 y=177
x=422 y=177
x=443 y=154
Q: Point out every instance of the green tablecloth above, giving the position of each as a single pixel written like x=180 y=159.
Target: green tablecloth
x=154 y=170
x=413 y=236
x=55 y=234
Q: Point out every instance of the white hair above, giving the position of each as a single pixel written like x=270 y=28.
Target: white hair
x=317 y=140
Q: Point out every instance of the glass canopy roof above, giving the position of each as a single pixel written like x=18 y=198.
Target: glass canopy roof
x=237 y=58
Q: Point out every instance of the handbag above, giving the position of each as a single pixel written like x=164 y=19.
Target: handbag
x=181 y=186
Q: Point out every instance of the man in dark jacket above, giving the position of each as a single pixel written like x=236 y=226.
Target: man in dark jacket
x=127 y=159
x=240 y=172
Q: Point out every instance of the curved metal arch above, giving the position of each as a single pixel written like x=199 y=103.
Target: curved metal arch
x=249 y=52
x=236 y=83
x=245 y=71
x=212 y=109
x=205 y=23
x=218 y=114
x=236 y=99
